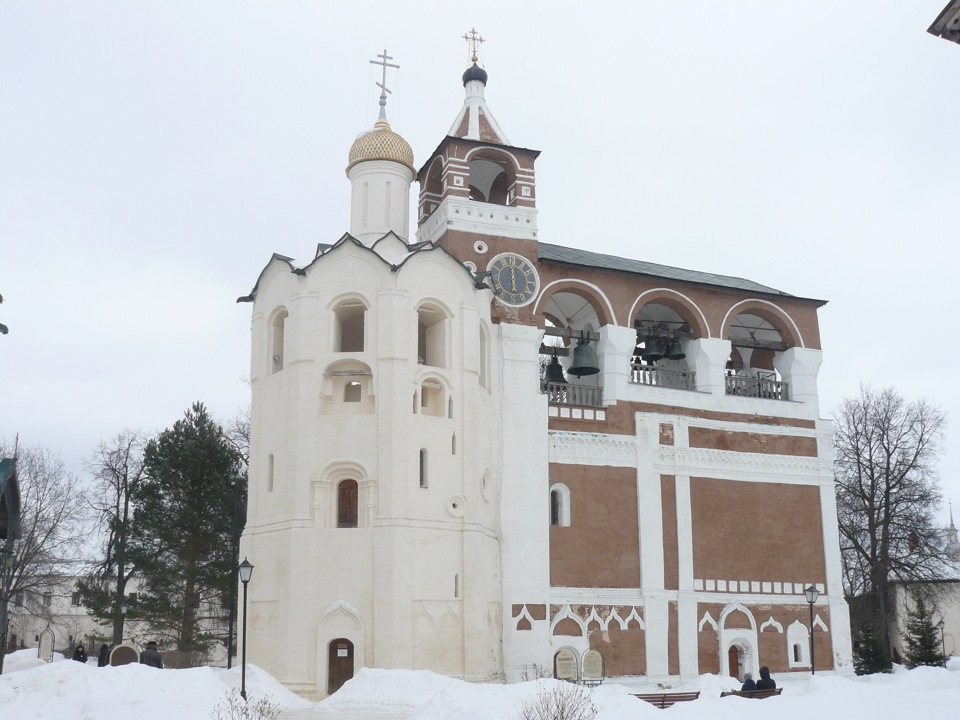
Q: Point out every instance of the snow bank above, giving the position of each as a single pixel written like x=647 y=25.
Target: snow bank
x=33 y=690
x=77 y=690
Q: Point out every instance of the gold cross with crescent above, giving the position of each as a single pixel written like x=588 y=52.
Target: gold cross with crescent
x=474 y=40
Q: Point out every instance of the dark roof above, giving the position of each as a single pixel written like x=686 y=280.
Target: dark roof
x=475 y=72
x=584 y=258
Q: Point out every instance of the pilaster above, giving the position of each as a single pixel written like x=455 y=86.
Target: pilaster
x=708 y=358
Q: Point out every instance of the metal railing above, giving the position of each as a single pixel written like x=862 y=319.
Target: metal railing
x=765 y=385
x=564 y=394
x=672 y=378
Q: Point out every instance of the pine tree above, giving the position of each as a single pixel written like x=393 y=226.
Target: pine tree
x=869 y=656
x=182 y=531
x=922 y=639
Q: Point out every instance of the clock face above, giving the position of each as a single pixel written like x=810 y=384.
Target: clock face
x=515 y=280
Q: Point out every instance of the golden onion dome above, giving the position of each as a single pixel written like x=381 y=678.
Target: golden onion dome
x=381 y=143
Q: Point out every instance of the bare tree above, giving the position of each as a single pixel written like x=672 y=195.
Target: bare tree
x=885 y=463
x=559 y=701
x=53 y=527
x=117 y=468
x=237 y=432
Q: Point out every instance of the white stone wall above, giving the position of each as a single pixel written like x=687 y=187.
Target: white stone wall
x=417 y=583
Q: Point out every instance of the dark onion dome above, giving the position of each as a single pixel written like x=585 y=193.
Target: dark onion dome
x=475 y=72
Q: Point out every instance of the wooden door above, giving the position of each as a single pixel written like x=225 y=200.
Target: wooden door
x=733 y=660
x=339 y=664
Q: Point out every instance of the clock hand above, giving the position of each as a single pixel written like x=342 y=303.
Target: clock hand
x=513 y=278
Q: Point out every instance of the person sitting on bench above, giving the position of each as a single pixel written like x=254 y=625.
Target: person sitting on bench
x=766 y=682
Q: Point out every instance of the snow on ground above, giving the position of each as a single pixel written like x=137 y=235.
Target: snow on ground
x=33 y=690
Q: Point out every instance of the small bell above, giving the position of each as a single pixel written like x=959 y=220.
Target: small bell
x=554 y=372
x=674 y=351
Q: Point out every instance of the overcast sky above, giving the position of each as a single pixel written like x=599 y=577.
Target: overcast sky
x=154 y=154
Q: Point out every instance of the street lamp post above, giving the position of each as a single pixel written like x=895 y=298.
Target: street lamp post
x=812 y=594
x=943 y=644
x=6 y=628
x=246 y=571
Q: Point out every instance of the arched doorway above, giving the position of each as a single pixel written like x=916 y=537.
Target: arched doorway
x=340 y=664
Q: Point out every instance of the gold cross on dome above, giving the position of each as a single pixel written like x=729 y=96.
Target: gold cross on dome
x=474 y=40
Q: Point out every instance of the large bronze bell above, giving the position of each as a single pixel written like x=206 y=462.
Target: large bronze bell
x=652 y=351
x=554 y=372
x=674 y=351
x=584 y=359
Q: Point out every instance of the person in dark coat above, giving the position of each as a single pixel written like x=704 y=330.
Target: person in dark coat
x=151 y=657
x=766 y=682
x=104 y=656
x=80 y=655
x=748 y=683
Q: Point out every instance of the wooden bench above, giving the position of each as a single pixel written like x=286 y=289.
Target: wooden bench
x=757 y=694
x=665 y=700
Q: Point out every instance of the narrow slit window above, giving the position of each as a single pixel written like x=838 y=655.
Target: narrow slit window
x=423 y=467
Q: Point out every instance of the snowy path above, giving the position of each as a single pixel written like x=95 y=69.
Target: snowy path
x=314 y=714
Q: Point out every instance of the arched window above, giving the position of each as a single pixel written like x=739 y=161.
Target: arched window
x=349 y=326
x=431 y=398
x=431 y=336
x=559 y=505
x=423 y=467
x=798 y=644
x=352 y=391
x=276 y=340
x=347 y=493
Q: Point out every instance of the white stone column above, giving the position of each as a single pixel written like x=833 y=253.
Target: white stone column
x=708 y=358
x=799 y=367
x=839 y=611
x=524 y=495
x=613 y=354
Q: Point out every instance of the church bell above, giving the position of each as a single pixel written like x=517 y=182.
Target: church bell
x=584 y=359
x=652 y=353
x=554 y=372
x=674 y=351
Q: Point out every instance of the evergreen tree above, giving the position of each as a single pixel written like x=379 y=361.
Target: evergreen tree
x=922 y=639
x=181 y=536
x=869 y=656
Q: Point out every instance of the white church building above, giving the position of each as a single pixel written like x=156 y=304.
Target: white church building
x=472 y=450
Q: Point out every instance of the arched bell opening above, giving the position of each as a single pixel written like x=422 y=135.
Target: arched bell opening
x=756 y=340
x=568 y=354
x=660 y=357
x=431 y=194
x=492 y=178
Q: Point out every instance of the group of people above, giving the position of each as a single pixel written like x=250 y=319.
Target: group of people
x=764 y=683
x=150 y=657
